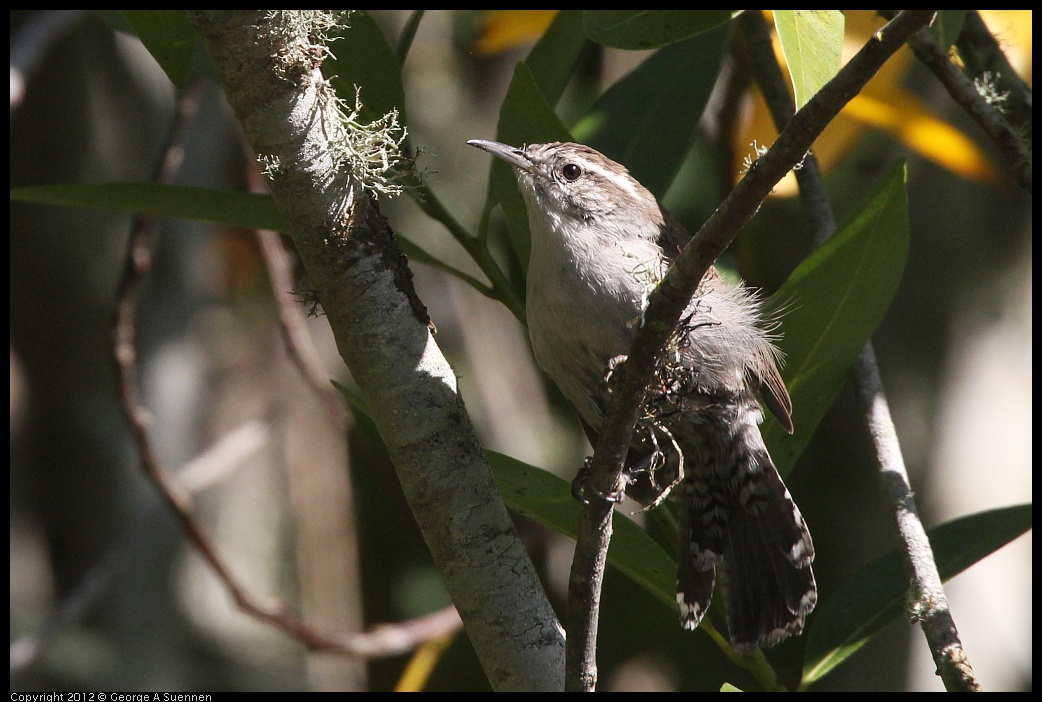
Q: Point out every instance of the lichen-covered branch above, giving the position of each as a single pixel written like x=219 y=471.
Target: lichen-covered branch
x=323 y=174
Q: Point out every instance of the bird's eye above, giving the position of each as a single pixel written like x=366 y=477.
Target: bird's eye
x=571 y=172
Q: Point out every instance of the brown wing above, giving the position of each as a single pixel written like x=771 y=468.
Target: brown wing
x=774 y=394
x=672 y=236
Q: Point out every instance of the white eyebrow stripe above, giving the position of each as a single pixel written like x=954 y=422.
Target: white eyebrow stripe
x=622 y=180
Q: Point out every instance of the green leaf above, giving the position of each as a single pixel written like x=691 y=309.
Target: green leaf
x=650 y=29
x=649 y=119
x=362 y=57
x=169 y=37
x=240 y=209
x=236 y=209
x=554 y=57
x=832 y=304
x=947 y=26
x=407 y=35
x=221 y=206
x=546 y=499
x=525 y=117
x=812 y=41
x=877 y=593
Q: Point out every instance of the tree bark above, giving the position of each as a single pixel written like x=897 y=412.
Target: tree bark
x=270 y=68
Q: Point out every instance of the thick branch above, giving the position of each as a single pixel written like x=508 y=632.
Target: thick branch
x=386 y=640
x=269 y=68
x=669 y=301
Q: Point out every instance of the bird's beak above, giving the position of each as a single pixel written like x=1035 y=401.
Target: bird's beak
x=515 y=157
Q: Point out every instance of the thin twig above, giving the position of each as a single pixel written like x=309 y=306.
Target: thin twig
x=28 y=647
x=665 y=307
x=721 y=118
x=292 y=322
x=198 y=474
x=384 y=640
x=216 y=463
x=768 y=75
x=929 y=604
x=942 y=636
x=294 y=328
x=981 y=54
x=476 y=246
x=1017 y=158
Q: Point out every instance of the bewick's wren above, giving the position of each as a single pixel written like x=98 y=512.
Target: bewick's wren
x=600 y=242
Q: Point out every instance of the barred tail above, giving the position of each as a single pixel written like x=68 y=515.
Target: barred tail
x=770 y=586
x=749 y=523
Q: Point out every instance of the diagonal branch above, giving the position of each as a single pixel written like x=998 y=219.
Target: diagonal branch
x=970 y=96
x=299 y=346
x=384 y=640
x=928 y=602
x=321 y=165
x=664 y=309
x=938 y=624
x=981 y=54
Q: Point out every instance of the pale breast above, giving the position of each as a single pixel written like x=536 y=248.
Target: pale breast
x=578 y=322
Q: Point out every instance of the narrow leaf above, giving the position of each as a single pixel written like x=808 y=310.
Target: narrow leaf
x=812 y=41
x=525 y=117
x=554 y=57
x=407 y=35
x=363 y=58
x=221 y=206
x=832 y=304
x=236 y=209
x=546 y=499
x=947 y=26
x=169 y=37
x=877 y=594
x=650 y=29
x=649 y=119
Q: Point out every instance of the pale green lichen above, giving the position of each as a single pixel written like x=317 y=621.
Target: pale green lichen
x=987 y=86
x=370 y=153
x=287 y=25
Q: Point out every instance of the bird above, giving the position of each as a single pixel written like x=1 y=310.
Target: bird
x=600 y=242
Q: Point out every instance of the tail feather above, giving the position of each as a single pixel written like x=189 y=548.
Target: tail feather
x=751 y=525
x=769 y=583
x=696 y=568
